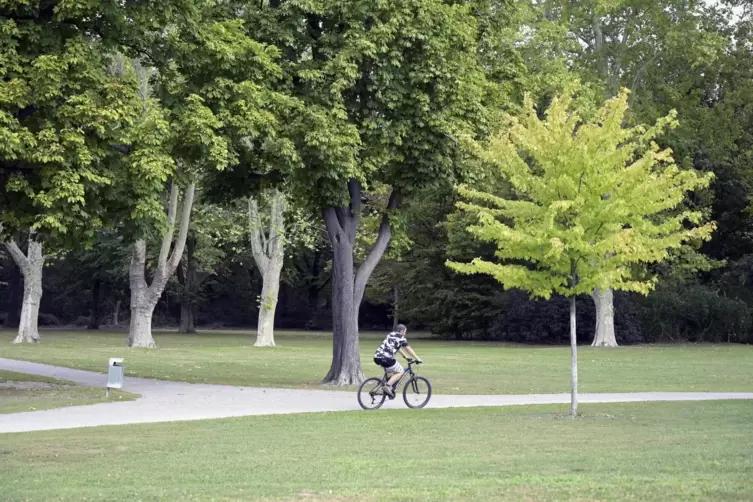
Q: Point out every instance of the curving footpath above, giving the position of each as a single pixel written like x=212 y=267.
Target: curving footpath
x=164 y=401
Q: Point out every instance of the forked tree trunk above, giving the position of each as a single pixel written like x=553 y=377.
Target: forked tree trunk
x=573 y=360
x=144 y=297
x=31 y=266
x=349 y=284
x=604 y=332
x=268 y=248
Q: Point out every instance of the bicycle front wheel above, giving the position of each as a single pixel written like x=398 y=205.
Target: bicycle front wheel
x=417 y=392
x=370 y=394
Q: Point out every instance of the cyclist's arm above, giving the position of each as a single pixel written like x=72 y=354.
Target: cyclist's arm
x=410 y=351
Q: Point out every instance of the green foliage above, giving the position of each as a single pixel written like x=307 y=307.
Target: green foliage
x=563 y=234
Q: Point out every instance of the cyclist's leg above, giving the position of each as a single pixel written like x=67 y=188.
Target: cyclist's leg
x=395 y=372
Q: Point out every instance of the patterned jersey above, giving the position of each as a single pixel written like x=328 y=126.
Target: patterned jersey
x=390 y=346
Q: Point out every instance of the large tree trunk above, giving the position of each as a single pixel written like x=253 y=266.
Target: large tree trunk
x=604 y=333
x=346 y=355
x=31 y=266
x=349 y=285
x=269 y=253
x=265 y=332
x=94 y=315
x=144 y=297
x=187 y=323
x=573 y=360
x=142 y=301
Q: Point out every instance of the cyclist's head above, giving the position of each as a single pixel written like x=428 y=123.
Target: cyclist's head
x=401 y=329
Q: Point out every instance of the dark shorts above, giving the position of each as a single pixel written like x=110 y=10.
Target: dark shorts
x=389 y=364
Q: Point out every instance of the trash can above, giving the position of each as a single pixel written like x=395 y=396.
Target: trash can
x=115 y=374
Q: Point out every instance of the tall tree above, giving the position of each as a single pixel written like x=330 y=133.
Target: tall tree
x=647 y=46
x=561 y=235
x=391 y=90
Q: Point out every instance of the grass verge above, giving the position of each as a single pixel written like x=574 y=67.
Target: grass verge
x=21 y=392
x=302 y=359
x=637 y=451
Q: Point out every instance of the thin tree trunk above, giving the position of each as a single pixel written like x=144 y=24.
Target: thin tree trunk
x=604 y=332
x=395 y=308
x=349 y=284
x=94 y=316
x=269 y=252
x=188 y=281
x=573 y=360
x=15 y=296
x=116 y=314
x=31 y=266
x=144 y=297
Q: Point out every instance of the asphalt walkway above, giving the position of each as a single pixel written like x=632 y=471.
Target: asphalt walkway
x=164 y=401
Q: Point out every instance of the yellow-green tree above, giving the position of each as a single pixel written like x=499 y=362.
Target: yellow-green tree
x=560 y=234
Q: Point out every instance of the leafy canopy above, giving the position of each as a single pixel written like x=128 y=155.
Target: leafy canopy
x=561 y=234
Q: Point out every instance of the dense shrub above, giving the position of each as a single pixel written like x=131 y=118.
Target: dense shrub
x=694 y=313
x=548 y=322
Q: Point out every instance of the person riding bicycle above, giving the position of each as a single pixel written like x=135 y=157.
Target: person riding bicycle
x=385 y=357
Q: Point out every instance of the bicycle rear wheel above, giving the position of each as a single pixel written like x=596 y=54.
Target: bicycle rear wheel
x=417 y=392
x=370 y=394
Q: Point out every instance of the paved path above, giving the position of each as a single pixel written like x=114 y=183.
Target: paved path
x=164 y=401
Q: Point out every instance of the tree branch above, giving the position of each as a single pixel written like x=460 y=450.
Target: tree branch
x=18 y=256
x=167 y=239
x=377 y=251
x=258 y=245
x=185 y=221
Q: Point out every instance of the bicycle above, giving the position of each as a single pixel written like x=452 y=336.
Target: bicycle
x=371 y=395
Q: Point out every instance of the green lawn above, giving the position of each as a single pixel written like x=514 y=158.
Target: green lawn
x=302 y=359
x=656 y=451
x=20 y=392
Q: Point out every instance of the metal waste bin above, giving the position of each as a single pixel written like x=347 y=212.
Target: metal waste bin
x=115 y=374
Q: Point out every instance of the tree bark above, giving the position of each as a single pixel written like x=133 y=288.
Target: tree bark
x=349 y=284
x=269 y=252
x=94 y=316
x=144 y=297
x=604 y=331
x=31 y=266
x=573 y=360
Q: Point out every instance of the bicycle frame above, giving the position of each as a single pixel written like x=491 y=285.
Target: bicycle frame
x=408 y=371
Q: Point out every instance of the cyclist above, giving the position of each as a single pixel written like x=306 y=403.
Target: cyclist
x=385 y=357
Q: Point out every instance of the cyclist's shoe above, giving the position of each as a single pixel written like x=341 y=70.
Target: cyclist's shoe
x=389 y=391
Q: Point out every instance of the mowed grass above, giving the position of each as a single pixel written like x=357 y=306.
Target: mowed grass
x=21 y=392
x=637 y=451
x=302 y=359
